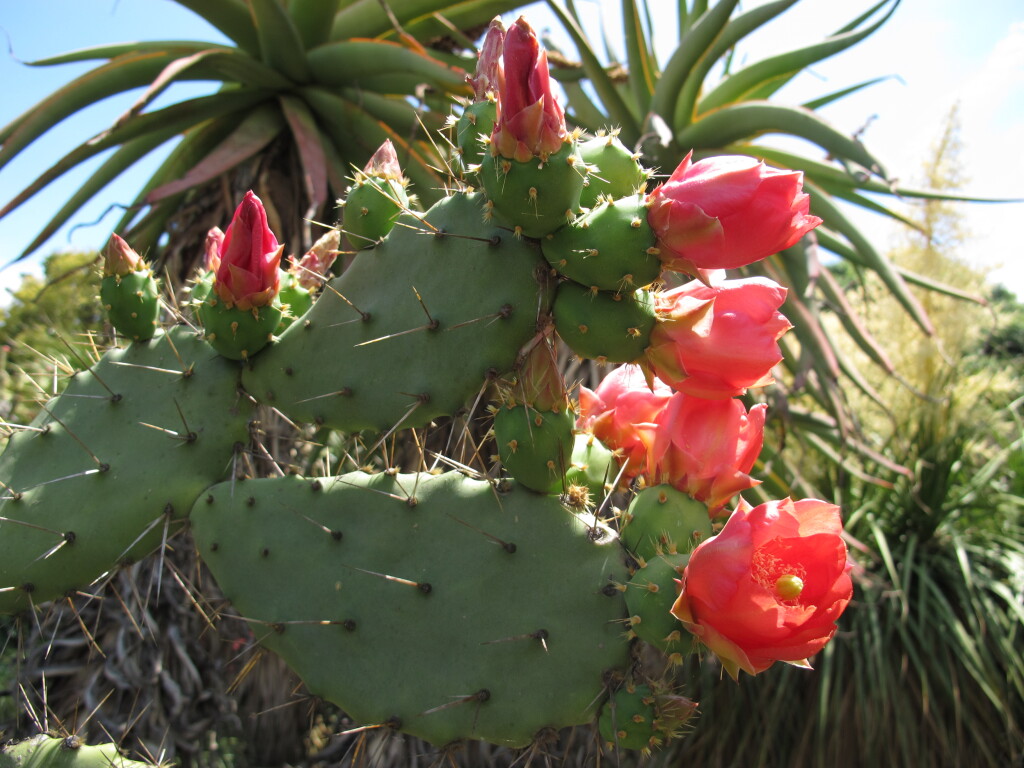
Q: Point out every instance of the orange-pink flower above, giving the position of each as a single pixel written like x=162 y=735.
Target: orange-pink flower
x=726 y=212
x=120 y=259
x=247 y=275
x=769 y=587
x=530 y=121
x=716 y=341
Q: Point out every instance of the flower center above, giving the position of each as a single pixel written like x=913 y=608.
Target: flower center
x=789 y=586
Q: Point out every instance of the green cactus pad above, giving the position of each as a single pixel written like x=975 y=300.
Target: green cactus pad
x=614 y=170
x=113 y=464
x=535 y=446
x=473 y=127
x=535 y=197
x=611 y=248
x=132 y=304
x=235 y=333
x=663 y=519
x=371 y=208
x=45 y=751
x=444 y=606
x=649 y=598
x=593 y=466
x=612 y=327
x=414 y=328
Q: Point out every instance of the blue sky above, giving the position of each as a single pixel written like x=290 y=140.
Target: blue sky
x=934 y=52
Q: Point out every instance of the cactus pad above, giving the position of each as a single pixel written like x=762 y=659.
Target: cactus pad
x=369 y=586
x=412 y=330
x=113 y=463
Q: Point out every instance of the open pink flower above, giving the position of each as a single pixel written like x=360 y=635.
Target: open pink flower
x=247 y=275
x=622 y=413
x=726 y=212
x=530 y=121
x=716 y=341
x=706 y=448
x=769 y=587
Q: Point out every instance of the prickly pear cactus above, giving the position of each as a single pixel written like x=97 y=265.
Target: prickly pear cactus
x=501 y=598
x=45 y=751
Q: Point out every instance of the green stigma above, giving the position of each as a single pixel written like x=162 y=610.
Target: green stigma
x=789 y=587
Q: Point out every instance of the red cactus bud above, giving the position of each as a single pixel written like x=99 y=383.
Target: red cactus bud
x=315 y=264
x=119 y=258
x=530 y=121
x=247 y=276
x=384 y=163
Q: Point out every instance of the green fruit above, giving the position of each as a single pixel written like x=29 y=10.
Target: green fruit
x=132 y=303
x=612 y=327
x=535 y=446
x=614 y=171
x=662 y=519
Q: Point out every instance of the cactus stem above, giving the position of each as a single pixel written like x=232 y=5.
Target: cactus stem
x=508 y=546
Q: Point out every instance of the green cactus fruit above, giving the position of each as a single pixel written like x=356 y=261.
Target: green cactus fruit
x=201 y=288
x=611 y=247
x=294 y=299
x=111 y=466
x=662 y=519
x=446 y=607
x=371 y=207
x=44 y=751
x=614 y=170
x=235 y=333
x=649 y=598
x=535 y=197
x=593 y=466
x=535 y=446
x=132 y=303
x=472 y=129
x=610 y=327
x=640 y=717
x=414 y=328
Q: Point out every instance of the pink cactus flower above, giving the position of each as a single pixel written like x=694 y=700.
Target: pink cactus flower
x=384 y=163
x=489 y=72
x=716 y=341
x=622 y=413
x=726 y=212
x=706 y=448
x=313 y=269
x=214 y=240
x=120 y=259
x=769 y=587
x=530 y=121
x=247 y=276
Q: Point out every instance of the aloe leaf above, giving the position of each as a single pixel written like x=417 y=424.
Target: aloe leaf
x=119 y=75
x=782 y=68
x=255 y=131
x=174 y=48
x=846 y=193
x=311 y=153
x=642 y=64
x=619 y=112
x=312 y=19
x=850 y=320
x=823 y=206
x=180 y=116
x=700 y=37
x=397 y=112
x=741 y=122
x=822 y=101
x=734 y=31
x=196 y=143
x=280 y=43
x=231 y=17
x=125 y=156
x=350 y=62
x=371 y=18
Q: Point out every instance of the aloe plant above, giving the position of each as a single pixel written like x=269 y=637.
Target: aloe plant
x=309 y=89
